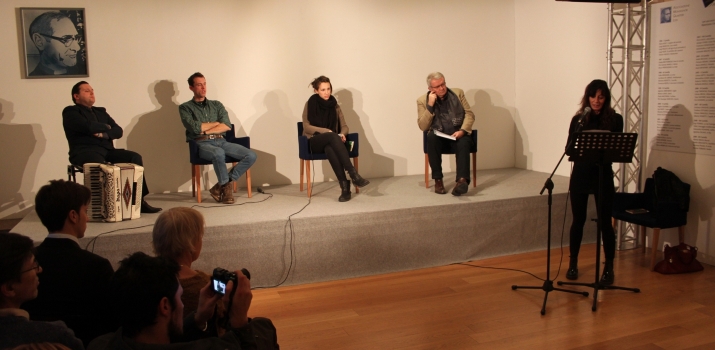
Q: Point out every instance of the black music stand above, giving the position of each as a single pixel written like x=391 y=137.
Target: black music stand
x=601 y=148
x=548 y=285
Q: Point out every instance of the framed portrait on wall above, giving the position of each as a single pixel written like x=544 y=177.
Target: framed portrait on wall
x=55 y=42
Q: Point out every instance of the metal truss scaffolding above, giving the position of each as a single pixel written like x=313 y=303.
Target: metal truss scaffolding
x=627 y=78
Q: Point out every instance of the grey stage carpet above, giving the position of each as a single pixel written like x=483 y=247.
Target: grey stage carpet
x=393 y=224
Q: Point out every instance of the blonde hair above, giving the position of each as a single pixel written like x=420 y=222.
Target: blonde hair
x=434 y=76
x=175 y=232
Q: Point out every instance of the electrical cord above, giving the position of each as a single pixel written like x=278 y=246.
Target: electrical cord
x=258 y=189
x=93 y=241
x=558 y=271
x=289 y=224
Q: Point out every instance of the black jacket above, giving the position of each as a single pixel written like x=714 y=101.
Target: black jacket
x=81 y=123
x=73 y=288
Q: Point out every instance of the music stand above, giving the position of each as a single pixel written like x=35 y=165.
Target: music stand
x=601 y=148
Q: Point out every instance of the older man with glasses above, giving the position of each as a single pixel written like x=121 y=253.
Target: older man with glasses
x=447 y=117
x=58 y=42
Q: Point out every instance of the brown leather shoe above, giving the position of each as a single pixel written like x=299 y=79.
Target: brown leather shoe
x=439 y=187
x=227 y=193
x=216 y=192
x=461 y=187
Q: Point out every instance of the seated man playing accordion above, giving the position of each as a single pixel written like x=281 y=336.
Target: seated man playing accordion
x=90 y=133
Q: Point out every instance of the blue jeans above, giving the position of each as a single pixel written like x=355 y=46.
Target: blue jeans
x=216 y=151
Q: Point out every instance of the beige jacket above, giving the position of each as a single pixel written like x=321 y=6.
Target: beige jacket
x=424 y=117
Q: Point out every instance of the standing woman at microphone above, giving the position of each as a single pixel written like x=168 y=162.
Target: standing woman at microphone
x=595 y=113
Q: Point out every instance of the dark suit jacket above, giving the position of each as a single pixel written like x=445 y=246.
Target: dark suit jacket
x=81 y=123
x=73 y=288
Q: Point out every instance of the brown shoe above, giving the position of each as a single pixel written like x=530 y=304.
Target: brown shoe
x=461 y=187
x=439 y=187
x=227 y=193
x=216 y=192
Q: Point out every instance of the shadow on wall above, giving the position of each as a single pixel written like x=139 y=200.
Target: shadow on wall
x=522 y=153
x=273 y=129
x=27 y=142
x=160 y=138
x=372 y=163
x=496 y=130
x=676 y=152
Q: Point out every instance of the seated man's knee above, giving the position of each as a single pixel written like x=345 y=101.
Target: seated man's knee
x=137 y=159
x=251 y=157
x=464 y=143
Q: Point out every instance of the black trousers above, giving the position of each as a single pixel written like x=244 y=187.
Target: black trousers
x=579 y=206
x=110 y=156
x=332 y=145
x=436 y=146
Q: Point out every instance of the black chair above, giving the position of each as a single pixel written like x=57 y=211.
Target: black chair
x=72 y=171
x=306 y=156
x=197 y=162
x=661 y=214
x=472 y=150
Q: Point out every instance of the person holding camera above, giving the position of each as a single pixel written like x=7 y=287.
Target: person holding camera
x=178 y=236
x=146 y=295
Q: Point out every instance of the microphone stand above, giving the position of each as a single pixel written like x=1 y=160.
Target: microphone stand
x=548 y=285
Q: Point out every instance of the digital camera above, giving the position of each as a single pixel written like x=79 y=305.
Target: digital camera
x=221 y=277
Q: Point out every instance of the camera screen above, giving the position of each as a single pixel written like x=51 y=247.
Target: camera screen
x=219 y=287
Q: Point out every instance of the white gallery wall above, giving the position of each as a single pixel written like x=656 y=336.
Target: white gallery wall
x=523 y=65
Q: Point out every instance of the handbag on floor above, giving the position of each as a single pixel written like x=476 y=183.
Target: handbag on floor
x=679 y=259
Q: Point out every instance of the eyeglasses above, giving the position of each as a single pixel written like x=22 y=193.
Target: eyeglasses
x=439 y=86
x=35 y=267
x=67 y=39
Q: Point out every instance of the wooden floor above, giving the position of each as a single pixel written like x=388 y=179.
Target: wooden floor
x=463 y=307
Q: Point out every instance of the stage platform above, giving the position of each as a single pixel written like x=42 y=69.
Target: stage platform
x=394 y=224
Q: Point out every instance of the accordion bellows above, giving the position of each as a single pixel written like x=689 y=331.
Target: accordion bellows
x=116 y=191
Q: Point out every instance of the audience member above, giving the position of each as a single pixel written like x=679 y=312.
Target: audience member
x=177 y=236
x=73 y=286
x=146 y=294
x=18 y=283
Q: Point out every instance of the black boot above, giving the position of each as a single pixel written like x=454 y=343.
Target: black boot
x=148 y=209
x=358 y=181
x=345 y=194
x=572 y=273
x=608 y=277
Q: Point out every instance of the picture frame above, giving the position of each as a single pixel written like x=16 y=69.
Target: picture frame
x=54 y=42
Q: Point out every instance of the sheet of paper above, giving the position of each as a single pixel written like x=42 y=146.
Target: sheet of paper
x=441 y=134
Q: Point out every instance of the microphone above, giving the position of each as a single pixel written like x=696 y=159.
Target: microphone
x=586 y=111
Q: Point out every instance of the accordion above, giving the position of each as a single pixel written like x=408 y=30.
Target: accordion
x=116 y=191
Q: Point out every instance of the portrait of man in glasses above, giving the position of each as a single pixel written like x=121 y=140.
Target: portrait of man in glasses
x=59 y=43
